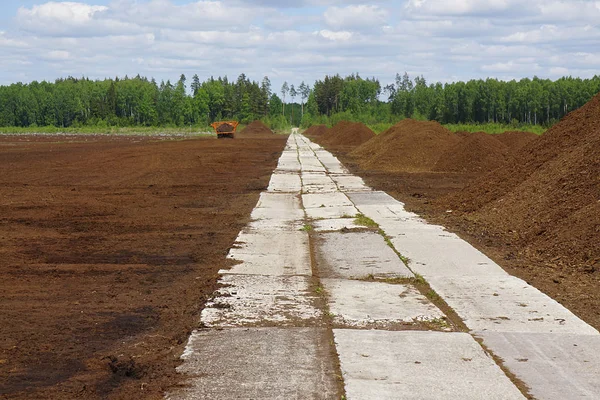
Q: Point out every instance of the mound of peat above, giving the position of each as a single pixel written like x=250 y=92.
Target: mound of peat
x=515 y=140
x=408 y=146
x=316 y=131
x=548 y=198
x=256 y=128
x=477 y=153
x=346 y=133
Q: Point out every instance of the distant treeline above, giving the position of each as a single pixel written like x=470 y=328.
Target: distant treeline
x=139 y=101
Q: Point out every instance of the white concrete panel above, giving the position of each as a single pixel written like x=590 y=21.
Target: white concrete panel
x=350 y=183
x=271 y=252
x=261 y=225
x=251 y=300
x=289 y=166
x=375 y=198
x=258 y=363
x=311 y=163
x=285 y=183
x=376 y=304
x=357 y=255
x=331 y=212
x=436 y=253
x=333 y=165
x=383 y=365
x=280 y=203
x=323 y=200
x=509 y=304
x=336 y=224
x=554 y=367
x=317 y=182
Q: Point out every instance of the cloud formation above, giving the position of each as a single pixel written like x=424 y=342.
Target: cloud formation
x=302 y=40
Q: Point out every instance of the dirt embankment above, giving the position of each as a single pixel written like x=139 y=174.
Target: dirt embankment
x=548 y=197
x=537 y=213
x=256 y=129
x=476 y=153
x=409 y=146
x=345 y=133
x=515 y=140
x=109 y=250
x=316 y=131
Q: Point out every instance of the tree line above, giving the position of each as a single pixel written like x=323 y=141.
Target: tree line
x=140 y=101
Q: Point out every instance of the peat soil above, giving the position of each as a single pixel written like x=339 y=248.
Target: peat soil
x=109 y=250
x=425 y=192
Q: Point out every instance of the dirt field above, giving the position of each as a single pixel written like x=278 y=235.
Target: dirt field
x=110 y=247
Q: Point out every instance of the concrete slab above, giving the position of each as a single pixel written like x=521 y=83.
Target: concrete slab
x=271 y=252
x=356 y=255
x=317 y=182
x=286 y=183
x=509 y=304
x=436 y=253
x=257 y=300
x=331 y=212
x=350 y=183
x=331 y=163
x=322 y=200
x=335 y=224
x=258 y=363
x=374 y=198
x=376 y=305
x=382 y=365
x=279 y=206
x=553 y=366
x=311 y=163
x=288 y=166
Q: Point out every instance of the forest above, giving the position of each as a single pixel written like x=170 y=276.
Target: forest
x=139 y=101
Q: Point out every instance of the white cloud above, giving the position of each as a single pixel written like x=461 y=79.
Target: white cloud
x=69 y=18
x=462 y=7
x=356 y=17
x=335 y=36
x=443 y=40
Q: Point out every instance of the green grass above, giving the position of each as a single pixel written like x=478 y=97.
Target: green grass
x=432 y=295
x=306 y=228
x=363 y=220
x=495 y=128
x=380 y=127
x=138 y=130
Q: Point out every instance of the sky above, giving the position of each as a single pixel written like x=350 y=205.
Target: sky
x=302 y=40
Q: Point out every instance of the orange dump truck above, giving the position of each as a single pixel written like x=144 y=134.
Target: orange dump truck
x=225 y=129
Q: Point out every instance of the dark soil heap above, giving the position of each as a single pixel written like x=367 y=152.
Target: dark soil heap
x=316 y=131
x=476 y=153
x=408 y=146
x=515 y=140
x=346 y=133
x=256 y=128
x=548 y=199
x=225 y=128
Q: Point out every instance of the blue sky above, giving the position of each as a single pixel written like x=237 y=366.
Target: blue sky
x=444 y=40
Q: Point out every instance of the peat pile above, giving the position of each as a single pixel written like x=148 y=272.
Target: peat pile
x=346 y=133
x=408 y=146
x=225 y=128
x=476 y=153
x=547 y=200
x=515 y=140
x=316 y=131
x=256 y=128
